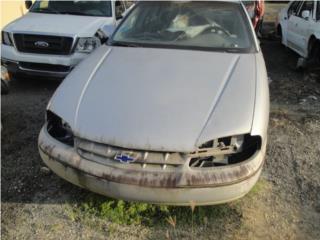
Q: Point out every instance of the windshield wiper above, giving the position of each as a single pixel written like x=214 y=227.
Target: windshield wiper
x=49 y=10
x=124 y=44
x=46 y=11
x=74 y=13
x=233 y=50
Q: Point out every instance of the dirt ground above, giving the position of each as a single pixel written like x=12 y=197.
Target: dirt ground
x=37 y=204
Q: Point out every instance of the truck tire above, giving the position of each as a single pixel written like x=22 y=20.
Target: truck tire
x=279 y=33
x=314 y=51
x=4 y=87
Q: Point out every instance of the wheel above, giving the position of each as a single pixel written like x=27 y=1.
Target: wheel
x=279 y=33
x=314 y=51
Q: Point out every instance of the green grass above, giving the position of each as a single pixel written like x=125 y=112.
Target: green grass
x=117 y=211
x=128 y=213
x=260 y=186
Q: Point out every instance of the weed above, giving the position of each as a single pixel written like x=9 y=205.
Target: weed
x=121 y=212
x=132 y=213
x=192 y=206
x=173 y=222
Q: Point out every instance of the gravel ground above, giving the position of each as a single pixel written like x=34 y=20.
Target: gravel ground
x=285 y=205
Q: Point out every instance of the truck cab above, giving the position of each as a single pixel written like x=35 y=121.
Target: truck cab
x=54 y=36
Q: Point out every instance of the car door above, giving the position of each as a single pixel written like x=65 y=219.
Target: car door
x=291 y=20
x=284 y=17
x=305 y=26
x=299 y=29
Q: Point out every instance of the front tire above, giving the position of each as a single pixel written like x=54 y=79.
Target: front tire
x=314 y=51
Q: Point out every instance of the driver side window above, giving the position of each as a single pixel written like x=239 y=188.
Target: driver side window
x=294 y=8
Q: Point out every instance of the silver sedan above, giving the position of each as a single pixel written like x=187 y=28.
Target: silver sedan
x=173 y=109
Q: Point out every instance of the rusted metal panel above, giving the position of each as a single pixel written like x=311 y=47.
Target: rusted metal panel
x=167 y=196
x=181 y=177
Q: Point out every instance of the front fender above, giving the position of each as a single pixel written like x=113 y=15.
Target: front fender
x=317 y=34
x=262 y=102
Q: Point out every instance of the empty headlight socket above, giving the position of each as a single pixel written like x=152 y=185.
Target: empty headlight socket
x=226 y=151
x=59 y=129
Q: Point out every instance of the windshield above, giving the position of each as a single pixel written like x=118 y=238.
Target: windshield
x=250 y=6
x=88 y=8
x=191 y=25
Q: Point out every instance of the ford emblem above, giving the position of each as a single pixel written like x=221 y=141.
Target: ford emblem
x=41 y=44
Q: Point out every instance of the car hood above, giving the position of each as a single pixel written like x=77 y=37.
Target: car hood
x=58 y=24
x=158 y=99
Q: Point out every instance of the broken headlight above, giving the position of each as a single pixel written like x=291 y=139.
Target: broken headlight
x=225 y=151
x=59 y=129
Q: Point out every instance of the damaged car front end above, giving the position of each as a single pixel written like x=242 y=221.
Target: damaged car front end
x=166 y=178
x=173 y=124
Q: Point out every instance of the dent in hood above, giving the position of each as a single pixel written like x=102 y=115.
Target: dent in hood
x=158 y=99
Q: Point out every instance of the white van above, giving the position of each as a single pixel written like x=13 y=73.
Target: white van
x=54 y=36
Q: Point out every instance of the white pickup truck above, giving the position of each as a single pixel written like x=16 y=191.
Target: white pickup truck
x=54 y=36
x=298 y=26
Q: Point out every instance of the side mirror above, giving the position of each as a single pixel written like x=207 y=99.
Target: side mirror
x=108 y=30
x=28 y=4
x=305 y=14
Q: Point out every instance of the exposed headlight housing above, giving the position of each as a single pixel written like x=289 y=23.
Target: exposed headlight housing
x=6 y=38
x=87 y=45
x=225 y=151
x=59 y=129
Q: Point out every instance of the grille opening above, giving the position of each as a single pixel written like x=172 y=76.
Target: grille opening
x=250 y=145
x=133 y=165
x=105 y=153
x=56 y=45
x=44 y=67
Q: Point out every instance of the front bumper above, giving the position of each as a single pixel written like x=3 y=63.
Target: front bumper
x=203 y=187
x=39 y=64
